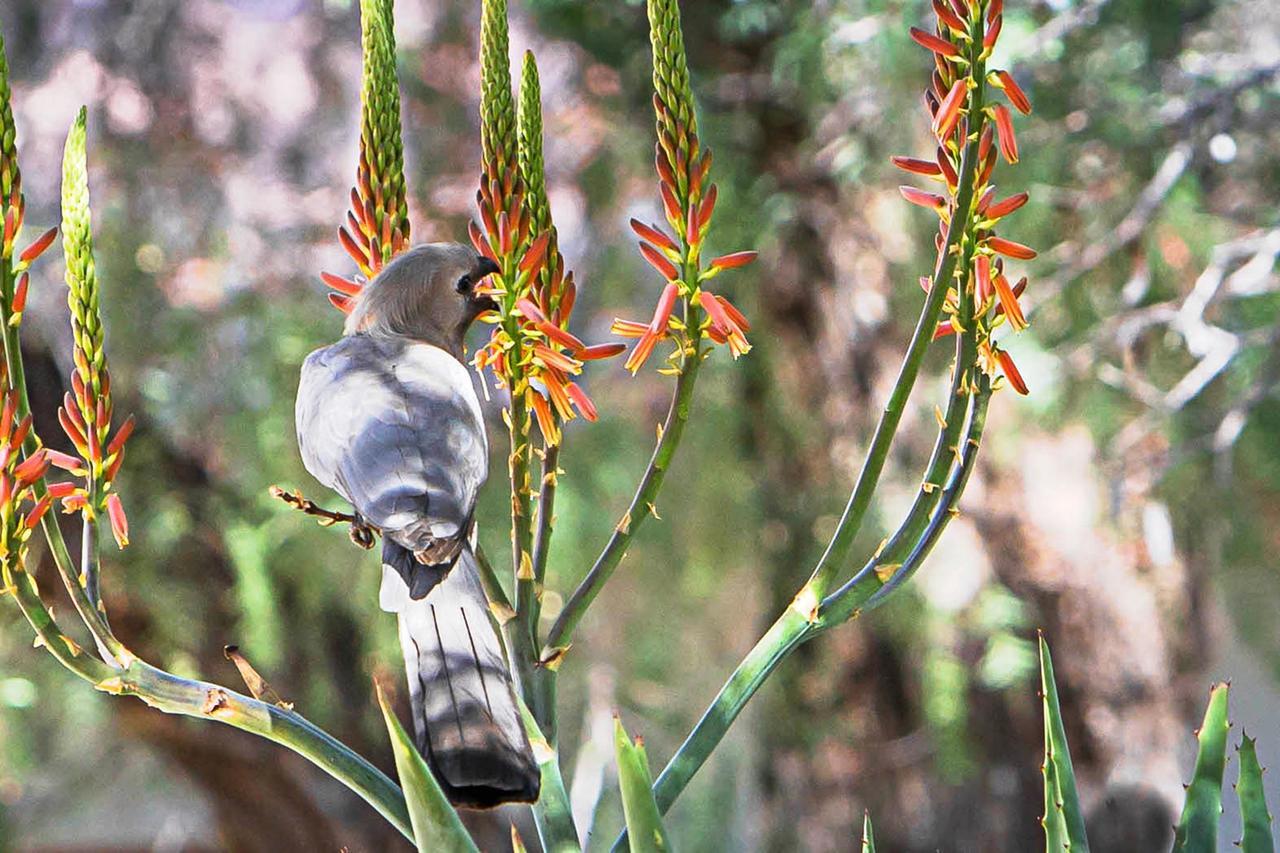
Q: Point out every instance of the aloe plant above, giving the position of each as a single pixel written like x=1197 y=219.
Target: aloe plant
x=1197 y=829
x=436 y=825
x=533 y=354
x=1198 y=826
x=1256 y=818
x=644 y=823
x=1063 y=819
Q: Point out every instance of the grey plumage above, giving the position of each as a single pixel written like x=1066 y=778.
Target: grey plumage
x=388 y=418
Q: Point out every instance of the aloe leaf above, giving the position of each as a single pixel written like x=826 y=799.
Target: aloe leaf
x=551 y=813
x=868 y=837
x=1253 y=804
x=645 y=832
x=1063 y=819
x=1198 y=826
x=436 y=825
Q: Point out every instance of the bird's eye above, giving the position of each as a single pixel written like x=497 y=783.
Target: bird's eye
x=464 y=284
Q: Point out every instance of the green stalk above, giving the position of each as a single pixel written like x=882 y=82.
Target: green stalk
x=637 y=513
x=551 y=813
x=190 y=698
x=22 y=585
x=521 y=512
x=545 y=521
x=801 y=621
x=869 y=478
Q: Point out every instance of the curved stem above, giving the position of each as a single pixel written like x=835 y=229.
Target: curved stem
x=800 y=623
x=860 y=499
x=521 y=520
x=544 y=521
x=641 y=507
x=173 y=695
x=17 y=581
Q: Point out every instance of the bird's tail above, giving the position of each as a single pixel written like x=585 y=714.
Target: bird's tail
x=467 y=725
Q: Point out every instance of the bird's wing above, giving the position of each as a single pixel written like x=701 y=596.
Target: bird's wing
x=394 y=426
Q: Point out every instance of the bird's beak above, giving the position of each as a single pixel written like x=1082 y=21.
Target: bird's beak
x=484 y=268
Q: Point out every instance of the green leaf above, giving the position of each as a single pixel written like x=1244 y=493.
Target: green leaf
x=1253 y=804
x=551 y=813
x=645 y=832
x=436 y=826
x=1063 y=820
x=868 y=837
x=1198 y=826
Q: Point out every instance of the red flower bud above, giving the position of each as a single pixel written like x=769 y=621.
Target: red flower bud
x=345 y=304
x=933 y=201
x=659 y=262
x=122 y=435
x=38 y=511
x=582 y=401
x=1009 y=302
x=1007 y=206
x=119 y=523
x=1004 y=133
x=1013 y=92
x=949 y=110
x=734 y=260
x=919 y=167
x=600 y=351
x=536 y=254
x=1011 y=372
x=340 y=284
x=62 y=490
x=65 y=461
x=983 y=284
x=1010 y=249
x=654 y=235
x=931 y=42
x=20 y=294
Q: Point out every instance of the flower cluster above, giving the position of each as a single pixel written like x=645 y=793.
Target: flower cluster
x=965 y=35
x=13 y=205
x=87 y=409
x=530 y=351
x=20 y=509
x=377 y=225
x=688 y=201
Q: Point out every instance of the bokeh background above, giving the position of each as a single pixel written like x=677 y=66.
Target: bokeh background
x=1130 y=506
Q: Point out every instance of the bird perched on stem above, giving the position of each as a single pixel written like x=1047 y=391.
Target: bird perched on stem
x=388 y=418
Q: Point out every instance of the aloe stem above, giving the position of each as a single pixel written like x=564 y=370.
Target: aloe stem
x=803 y=620
x=869 y=478
x=544 y=522
x=642 y=506
x=173 y=695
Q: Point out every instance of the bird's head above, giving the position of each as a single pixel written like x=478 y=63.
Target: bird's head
x=428 y=293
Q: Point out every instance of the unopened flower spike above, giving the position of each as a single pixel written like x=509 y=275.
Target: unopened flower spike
x=377 y=225
x=86 y=413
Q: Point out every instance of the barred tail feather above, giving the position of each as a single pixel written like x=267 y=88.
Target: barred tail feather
x=465 y=717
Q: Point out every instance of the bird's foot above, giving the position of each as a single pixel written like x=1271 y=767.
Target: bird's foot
x=362 y=533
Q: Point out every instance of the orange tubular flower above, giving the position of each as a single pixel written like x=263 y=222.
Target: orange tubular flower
x=1004 y=133
x=917 y=166
x=1011 y=372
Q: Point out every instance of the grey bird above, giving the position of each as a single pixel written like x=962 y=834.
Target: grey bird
x=388 y=418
